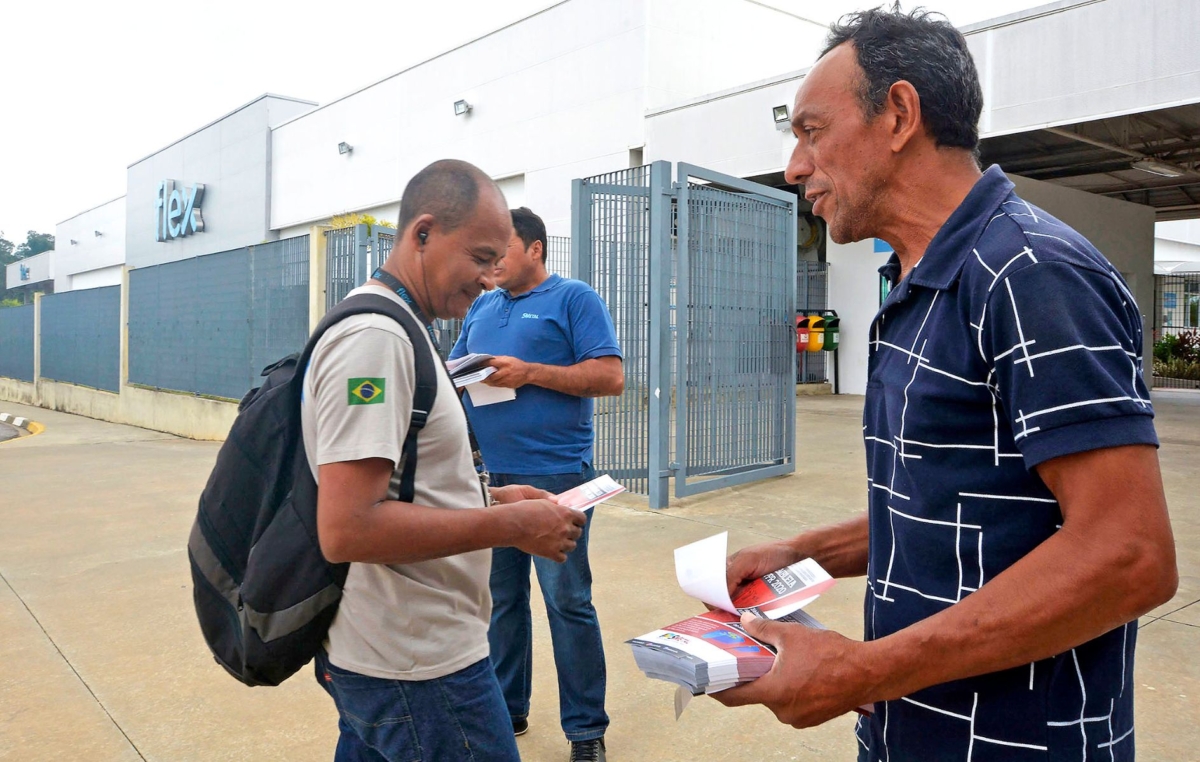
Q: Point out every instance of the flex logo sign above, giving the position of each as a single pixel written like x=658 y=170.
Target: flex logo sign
x=177 y=211
x=24 y=272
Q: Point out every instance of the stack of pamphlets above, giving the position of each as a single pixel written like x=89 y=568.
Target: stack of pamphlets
x=469 y=371
x=590 y=494
x=711 y=652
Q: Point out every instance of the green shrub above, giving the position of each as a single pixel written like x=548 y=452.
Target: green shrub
x=1183 y=346
x=1177 y=369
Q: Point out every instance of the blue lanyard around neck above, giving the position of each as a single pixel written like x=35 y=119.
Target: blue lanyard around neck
x=392 y=282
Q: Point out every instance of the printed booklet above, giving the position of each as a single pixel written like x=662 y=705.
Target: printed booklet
x=591 y=493
x=469 y=371
x=711 y=652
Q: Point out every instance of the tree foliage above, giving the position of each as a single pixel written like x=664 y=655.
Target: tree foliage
x=6 y=252
x=35 y=243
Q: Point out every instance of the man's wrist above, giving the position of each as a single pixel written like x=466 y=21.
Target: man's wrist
x=874 y=669
x=805 y=545
x=533 y=374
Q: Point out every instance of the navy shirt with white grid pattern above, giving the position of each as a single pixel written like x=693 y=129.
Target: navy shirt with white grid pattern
x=1012 y=342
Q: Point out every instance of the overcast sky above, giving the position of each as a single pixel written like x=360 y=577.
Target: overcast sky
x=88 y=88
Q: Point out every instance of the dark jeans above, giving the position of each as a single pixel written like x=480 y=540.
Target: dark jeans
x=455 y=718
x=574 y=627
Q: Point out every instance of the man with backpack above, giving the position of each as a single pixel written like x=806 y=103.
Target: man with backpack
x=406 y=658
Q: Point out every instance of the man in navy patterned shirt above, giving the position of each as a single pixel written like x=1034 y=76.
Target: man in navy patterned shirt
x=1016 y=524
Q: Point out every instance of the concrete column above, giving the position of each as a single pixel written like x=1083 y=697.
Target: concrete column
x=854 y=293
x=316 y=275
x=37 y=338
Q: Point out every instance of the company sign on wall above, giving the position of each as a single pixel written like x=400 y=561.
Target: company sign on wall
x=178 y=210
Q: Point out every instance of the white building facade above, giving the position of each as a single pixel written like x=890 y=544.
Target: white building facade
x=593 y=86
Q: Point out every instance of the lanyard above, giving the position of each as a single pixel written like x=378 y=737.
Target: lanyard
x=392 y=282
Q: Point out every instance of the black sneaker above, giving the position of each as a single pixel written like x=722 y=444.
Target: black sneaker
x=588 y=751
x=520 y=727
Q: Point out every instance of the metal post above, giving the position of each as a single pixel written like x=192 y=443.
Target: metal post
x=581 y=233
x=683 y=301
x=659 y=382
x=789 y=245
x=361 y=260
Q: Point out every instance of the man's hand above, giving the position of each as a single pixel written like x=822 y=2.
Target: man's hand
x=748 y=564
x=511 y=373
x=545 y=528
x=815 y=677
x=514 y=493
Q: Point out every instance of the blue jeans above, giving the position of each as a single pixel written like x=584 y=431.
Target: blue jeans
x=574 y=627
x=455 y=718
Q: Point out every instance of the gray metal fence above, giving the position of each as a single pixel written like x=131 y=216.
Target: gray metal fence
x=381 y=245
x=1177 y=331
x=558 y=255
x=812 y=295
x=610 y=249
x=351 y=255
x=81 y=337
x=341 y=255
x=736 y=356
x=700 y=282
x=209 y=325
x=16 y=342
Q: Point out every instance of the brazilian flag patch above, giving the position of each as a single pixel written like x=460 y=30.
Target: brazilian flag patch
x=365 y=391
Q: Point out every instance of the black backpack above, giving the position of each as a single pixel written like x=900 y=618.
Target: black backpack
x=264 y=593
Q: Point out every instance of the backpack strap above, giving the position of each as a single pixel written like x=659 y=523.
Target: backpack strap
x=425 y=372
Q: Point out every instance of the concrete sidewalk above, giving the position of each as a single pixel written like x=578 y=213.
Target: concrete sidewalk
x=104 y=660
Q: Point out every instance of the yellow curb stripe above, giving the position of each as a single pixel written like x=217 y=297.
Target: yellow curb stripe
x=33 y=427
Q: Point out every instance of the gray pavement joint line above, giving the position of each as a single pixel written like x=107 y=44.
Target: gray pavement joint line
x=1176 y=611
x=67 y=661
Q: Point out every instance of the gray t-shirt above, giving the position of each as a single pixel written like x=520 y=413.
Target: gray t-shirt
x=413 y=621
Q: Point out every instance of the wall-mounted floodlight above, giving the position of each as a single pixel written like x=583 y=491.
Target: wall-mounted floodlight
x=781 y=116
x=98 y=233
x=345 y=148
x=1160 y=168
x=74 y=242
x=461 y=108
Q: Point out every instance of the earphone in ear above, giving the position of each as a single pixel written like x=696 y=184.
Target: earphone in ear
x=423 y=237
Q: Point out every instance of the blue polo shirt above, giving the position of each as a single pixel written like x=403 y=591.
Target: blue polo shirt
x=561 y=322
x=1012 y=342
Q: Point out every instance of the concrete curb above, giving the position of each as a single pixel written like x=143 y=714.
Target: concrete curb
x=33 y=427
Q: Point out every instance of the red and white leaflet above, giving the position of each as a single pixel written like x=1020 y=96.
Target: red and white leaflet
x=590 y=494
x=781 y=592
x=700 y=571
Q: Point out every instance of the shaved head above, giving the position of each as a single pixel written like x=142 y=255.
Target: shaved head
x=448 y=190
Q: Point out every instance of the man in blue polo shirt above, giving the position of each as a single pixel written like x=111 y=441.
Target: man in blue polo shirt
x=554 y=343
x=1016 y=524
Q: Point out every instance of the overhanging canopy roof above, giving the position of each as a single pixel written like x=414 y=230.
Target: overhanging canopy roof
x=1100 y=156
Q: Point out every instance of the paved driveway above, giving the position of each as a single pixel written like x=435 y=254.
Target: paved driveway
x=103 y=659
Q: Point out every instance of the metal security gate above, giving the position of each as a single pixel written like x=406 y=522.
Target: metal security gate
x=709 y=397
x=351 y=255
x=735 y=393
x=611 y=250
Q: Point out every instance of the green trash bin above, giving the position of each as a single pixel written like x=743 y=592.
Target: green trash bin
x=832 y=331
